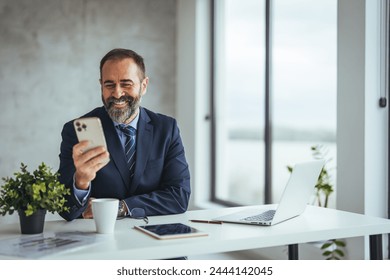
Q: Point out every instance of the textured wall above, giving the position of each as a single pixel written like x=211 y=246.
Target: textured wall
x=49 y=57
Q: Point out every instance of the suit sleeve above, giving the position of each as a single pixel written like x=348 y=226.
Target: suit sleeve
x=173 y=193
x=67 y=170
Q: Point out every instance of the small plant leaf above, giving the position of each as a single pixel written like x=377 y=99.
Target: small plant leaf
x=340 y=243
x=339 y=252
x=326 y=245
x=326 y=253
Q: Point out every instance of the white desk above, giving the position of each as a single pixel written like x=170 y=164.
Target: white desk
x=127 y=243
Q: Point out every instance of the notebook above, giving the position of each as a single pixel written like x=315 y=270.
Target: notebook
x=295 y=197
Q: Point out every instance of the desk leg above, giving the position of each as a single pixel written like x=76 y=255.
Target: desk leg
x=376 y=252
x=293 y=252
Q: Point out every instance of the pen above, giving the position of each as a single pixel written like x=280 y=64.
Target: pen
x=206 y=222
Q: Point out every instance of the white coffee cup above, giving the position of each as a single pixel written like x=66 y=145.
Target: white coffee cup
x=105 y=211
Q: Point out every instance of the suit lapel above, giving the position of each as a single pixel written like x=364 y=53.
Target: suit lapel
x=115 y=147
x=143 y=148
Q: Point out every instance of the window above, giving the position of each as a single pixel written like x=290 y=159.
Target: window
x=239 y=105
x=303 y=92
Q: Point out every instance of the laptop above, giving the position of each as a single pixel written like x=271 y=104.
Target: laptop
x=295 y=197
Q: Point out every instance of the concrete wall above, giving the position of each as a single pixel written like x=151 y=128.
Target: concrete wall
x=49 y=66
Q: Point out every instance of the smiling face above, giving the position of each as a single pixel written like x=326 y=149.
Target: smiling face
x=122 y=89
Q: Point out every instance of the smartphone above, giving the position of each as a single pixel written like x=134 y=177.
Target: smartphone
x=90 y=129
x=170 y=231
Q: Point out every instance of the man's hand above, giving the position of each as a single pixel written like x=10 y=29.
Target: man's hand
x=87 y=163
x=87 y=214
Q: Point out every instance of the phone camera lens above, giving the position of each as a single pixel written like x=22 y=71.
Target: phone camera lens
x=77 y=124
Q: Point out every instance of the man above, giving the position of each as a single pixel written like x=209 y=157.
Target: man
x=150 y=179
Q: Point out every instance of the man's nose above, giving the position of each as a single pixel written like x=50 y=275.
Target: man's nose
x=118 y=92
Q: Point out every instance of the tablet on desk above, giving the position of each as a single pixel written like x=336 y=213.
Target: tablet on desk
x=170 y=231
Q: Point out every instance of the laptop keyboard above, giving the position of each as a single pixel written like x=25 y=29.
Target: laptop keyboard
x=265 y=216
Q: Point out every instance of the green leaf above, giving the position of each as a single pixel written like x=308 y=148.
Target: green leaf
x=326 y=245
x=339 y=252
x=340 y=243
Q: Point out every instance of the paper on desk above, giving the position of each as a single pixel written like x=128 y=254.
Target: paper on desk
x=40 y=245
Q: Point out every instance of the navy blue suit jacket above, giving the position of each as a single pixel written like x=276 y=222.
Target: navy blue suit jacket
x=161 y=183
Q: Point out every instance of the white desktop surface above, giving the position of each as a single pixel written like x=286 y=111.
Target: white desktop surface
x=127 y=243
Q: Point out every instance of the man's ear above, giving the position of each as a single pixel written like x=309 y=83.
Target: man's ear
x=144 y=85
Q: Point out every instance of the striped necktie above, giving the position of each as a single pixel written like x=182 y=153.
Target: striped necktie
x=130 y=133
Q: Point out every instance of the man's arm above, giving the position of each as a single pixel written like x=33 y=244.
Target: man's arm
x=67 y=171
x=77 y=169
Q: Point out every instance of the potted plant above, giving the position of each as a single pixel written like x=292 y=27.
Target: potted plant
x=32 y=194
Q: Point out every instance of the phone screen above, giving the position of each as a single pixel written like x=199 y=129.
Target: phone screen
x=170 y=229
x=174 y=230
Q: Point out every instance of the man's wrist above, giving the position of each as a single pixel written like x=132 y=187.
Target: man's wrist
x=122 y=209
x=79 y=183
x=82 y=186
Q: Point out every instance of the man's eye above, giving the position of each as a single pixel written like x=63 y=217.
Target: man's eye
x=110 y=86
x=126 y=85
